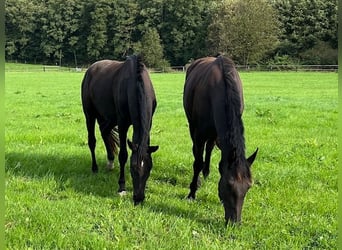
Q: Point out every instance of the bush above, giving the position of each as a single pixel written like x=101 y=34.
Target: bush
x=321 y=54
x=283 y=62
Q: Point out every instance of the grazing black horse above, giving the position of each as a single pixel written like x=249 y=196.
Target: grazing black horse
x=213 y=103
x=121 y=94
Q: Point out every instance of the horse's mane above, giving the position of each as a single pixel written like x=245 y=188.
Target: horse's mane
x=235 y=129
x=142 y=103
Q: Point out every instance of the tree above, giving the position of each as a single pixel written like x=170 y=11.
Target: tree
x=151 y=48
x=96 y=30
x=183 y=30
x=121 y=26
x=59 y=29
x=72 y=11
x=21 y=29
x=150 y=16
x=77 y=31
x=308 y=27
x=244 y=29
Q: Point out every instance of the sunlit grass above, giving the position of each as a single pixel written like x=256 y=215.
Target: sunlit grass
x=53 y=200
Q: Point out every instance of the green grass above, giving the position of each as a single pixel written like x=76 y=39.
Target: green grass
x=23 y=67
x=53 y=201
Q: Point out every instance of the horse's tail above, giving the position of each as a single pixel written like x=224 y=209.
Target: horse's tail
x=233 y=100
x=233 y=104
x=140 y=67
x=114 y=141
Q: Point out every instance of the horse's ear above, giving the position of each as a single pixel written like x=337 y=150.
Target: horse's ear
x=132 y=146
x=252 y=157
x=152 y=149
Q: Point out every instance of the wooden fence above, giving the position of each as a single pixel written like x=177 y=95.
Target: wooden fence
x=49 y=68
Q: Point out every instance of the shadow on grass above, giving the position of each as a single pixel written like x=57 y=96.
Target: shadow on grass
x=192 y=211
x=172 y=201
x=73 y=171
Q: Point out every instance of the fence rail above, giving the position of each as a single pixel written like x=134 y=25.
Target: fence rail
x=289 y=67
x=259 y=68
x=43 y=68
x=49 y=68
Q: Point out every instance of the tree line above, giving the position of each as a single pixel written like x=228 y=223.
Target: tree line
x=172 y=32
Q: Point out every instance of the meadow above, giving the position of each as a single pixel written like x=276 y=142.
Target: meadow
x=54 y=201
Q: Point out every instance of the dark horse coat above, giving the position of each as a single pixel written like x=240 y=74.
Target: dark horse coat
x=213 y=103
x=121 y=94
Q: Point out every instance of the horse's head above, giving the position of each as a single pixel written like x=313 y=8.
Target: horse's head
x=234 y=183
x=140 y=170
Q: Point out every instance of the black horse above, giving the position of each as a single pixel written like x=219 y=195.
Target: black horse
x=213 y=103
x=117 y=95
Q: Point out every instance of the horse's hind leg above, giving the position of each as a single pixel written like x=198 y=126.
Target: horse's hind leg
x=197 y=150
x=123 y=155
x=92 y=141
x=208 y=149
x=110 y=155
x=106 y=128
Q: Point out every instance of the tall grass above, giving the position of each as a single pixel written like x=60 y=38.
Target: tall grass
x=53 y=201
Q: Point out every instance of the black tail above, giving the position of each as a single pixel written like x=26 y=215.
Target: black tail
x=235 y=128
x=232 y=91
x=114 y=140
x=140 y=67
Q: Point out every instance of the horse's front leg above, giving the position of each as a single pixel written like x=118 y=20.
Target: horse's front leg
x=123 y=155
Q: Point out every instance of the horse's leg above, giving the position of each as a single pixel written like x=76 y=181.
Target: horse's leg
x=106 y=129
x=123 y=155
x=110 y=155
x=197 y=150
x=208 y=149
x=106 y=136
x=90 y=120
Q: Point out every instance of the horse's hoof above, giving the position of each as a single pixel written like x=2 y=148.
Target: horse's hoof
x=190 y=198
x=110 y=165
x=122 y=193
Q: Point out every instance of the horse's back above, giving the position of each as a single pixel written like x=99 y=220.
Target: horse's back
x=212 y=88
x=98 y=88
x=101 y=73
x=202 y=77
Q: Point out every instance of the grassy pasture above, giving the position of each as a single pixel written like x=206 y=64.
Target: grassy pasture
x=53 y=201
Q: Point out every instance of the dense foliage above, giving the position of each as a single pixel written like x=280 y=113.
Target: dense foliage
x=76 y=32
